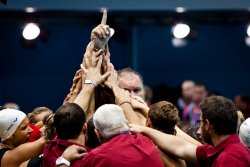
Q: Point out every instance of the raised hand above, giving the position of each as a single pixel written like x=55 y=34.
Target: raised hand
x=102 y=33
x=92 y=72
x=75 y=88
x=112 y=80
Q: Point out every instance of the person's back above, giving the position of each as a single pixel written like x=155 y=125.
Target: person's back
x=69 y=125
x=119 y=148
x=233 y=154
x=124 y=150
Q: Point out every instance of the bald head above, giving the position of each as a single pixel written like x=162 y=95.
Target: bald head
x=131 y=81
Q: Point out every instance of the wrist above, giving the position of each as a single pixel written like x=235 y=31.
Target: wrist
x=61 y=161
x=90 y=82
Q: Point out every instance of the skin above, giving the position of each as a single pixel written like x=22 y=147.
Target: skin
x=18 y=145
x=178 y=146
x=131 y=82
x=20 y=136
x=200 y=93
x=187 y=88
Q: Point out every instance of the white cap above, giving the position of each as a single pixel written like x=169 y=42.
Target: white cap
x=244 y=133
x=10 y=119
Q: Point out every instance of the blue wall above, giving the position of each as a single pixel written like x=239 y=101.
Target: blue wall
x=42 y=76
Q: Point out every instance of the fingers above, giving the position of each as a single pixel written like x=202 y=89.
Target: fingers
x=80 y=149
x=83 y=68
x=75 y=79
x=104 y=17
x=86 y=62
x=78 y=72
x=99 y=64
x=94 y=58
x=105 y=76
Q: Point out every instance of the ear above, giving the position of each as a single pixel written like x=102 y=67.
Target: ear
x=85 y=128
x=149 y=123
x=99 y=136
x=207 y=125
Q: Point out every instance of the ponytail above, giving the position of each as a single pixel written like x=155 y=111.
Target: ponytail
x=50 y=130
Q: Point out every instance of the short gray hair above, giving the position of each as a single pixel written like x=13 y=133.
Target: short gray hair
x=110 y=120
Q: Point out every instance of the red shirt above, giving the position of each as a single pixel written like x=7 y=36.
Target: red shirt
x=228 y=153
x=54 y=150
x=124 y=150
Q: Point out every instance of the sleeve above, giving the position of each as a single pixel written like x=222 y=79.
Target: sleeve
x=201 y=154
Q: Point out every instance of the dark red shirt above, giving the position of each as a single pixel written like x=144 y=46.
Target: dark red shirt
x=228 y=153
x=54 y=150
x=124 y=150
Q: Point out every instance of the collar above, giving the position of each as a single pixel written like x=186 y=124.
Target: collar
x=234 y=138
x=66 y=143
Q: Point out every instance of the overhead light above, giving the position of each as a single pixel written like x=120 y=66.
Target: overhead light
x=30 y=10
x=247 y=40
x=31 y=31
x=181 y=30
x=178 y=43
x=180 y=9
x=248 y=30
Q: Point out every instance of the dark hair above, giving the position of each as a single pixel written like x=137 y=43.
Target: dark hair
x=67 y=122
x=129 y=70
x=164 y=117
x=244 y=98
x=92 y=140
x=221 y=113
x=36 y=111
x=201 y=85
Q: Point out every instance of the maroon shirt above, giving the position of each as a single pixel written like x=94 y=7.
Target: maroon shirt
x=124 y=150
x=54 y=150
x=228 y=153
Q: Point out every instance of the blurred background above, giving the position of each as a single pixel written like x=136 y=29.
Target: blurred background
x=166 y=41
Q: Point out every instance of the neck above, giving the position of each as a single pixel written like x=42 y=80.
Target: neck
x=79 y=140
x=218 y=138
x=8 y=145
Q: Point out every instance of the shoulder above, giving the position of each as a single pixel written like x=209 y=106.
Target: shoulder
x=201 y=154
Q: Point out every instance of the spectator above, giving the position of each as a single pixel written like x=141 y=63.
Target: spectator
x=242 y=102
x=218 y=129
x=187 y=90
x=119 y=147
x=12 y=105
x=192 y=113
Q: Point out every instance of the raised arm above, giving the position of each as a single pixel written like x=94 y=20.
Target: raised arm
x=170 y=144
x=91 y=78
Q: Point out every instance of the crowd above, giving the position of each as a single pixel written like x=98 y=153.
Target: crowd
x=107 y=120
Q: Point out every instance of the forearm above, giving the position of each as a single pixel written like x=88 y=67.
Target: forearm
x=185 y=136
x=130 y=114
x=84 y=97
x=26 y=151
x=171 y=144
